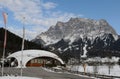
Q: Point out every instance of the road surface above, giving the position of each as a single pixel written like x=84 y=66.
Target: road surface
x=40 y=72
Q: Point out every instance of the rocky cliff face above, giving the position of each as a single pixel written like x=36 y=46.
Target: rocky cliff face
x=76 y=28
x=81 y=37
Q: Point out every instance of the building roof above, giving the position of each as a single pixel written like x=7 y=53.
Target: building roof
x=27 y=55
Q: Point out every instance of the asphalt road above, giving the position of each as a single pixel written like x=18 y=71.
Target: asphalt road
x=40 y=72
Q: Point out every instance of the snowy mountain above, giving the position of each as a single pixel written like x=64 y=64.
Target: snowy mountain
x=76 y=28
x=80 y=37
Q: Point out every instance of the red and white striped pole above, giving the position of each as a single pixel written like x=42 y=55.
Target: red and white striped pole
x=5 y=39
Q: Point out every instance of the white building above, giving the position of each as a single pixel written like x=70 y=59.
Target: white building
x=34 y=58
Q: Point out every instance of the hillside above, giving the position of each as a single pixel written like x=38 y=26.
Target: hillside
x=14 y=43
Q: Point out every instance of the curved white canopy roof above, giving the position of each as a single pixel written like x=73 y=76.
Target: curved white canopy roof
x=31 y=54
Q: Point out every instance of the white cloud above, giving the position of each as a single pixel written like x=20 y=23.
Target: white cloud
x=49 y=5
x=38 y=15
x=0 y=7
x=29 y=34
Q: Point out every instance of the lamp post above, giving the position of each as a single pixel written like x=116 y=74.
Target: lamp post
x=22 y=48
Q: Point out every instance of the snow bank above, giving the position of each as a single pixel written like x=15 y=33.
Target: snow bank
x=18 y=77
x=103 y=60
x=101 y=69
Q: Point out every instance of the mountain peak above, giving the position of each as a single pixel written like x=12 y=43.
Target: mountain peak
x=59 y=23
x=77 y=28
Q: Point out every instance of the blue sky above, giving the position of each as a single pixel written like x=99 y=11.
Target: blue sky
x=41 y=14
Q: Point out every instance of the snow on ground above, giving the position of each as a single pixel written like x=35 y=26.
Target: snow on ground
x=103 y=60
x=49 y=70
x=85 y=51
x=102 y=69
x=17 y=77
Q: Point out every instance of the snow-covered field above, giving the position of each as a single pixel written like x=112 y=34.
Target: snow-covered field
x=101 y=69
x=18 y=77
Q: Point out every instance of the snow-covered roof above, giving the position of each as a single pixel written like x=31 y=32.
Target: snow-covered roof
x=27 y=55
